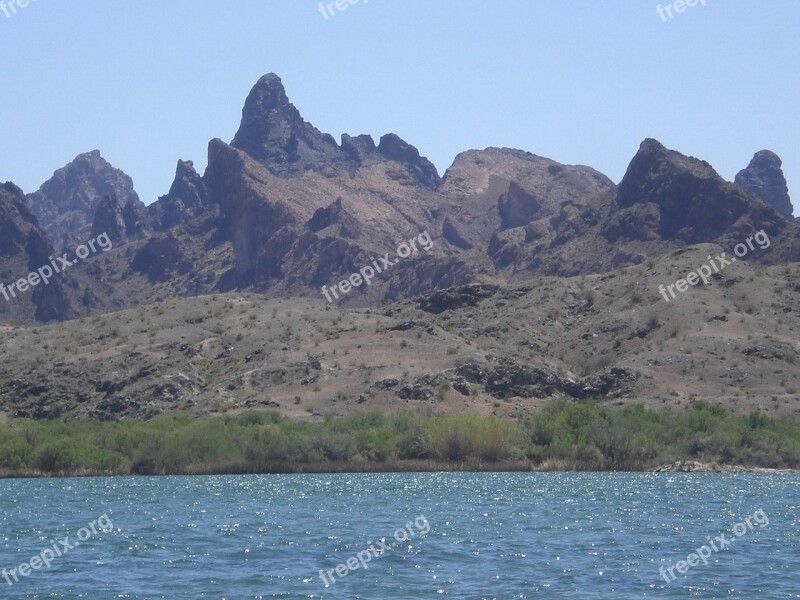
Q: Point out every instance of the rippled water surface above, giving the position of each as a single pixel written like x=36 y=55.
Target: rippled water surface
x=464 y=535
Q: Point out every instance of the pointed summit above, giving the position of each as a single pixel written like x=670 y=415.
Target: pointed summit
x=764 y=178
x=693 y=202
x=274 y=133
x=187 y=197
x=65 y=204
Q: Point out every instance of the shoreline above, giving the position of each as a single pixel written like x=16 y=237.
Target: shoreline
x=693 y=466
x=678 y=467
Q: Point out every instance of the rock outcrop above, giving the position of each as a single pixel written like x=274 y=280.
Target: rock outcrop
x=693 y=466
x=506 y=378
x=160 y=258
x=694 y=204
x=335 y=215
x=259 y=228
x=65 y=205
x=421 y=169
x=186 y=199
x=764 y=178
x=360 y=149
x=454 y=298
x=451 y=233
x=122 y=222
x=24 y=248
x=274 y=133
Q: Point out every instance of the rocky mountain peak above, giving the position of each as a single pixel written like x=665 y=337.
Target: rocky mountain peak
x=360 y=149
x=273 y=132
x=66 y=203
x=764 y=178
x=186 y=198
x=692 y=202
x=652 y=164
x=188 y=185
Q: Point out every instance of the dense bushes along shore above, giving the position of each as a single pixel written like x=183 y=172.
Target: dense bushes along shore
x=563 y=436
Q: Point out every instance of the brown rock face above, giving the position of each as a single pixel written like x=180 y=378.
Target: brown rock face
x=293 y=235
x=451 y=233
x=764 y=178
x=120 y=222
x=694 y=203
x=517 y=207
x=24 y=248
x=335 y=215
x=421 y=169
x=251 y=220
x=65 y=205
x=501 y=188
x=160 y=258
x=187 y=198
x=273 y=132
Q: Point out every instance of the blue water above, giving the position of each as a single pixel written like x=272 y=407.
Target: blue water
x=465 y=535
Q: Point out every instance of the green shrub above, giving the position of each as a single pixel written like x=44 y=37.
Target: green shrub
x=466 y=436
x=580 y=435
x=16 y=455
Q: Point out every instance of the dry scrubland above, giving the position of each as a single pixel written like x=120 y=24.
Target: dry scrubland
x=731 y=343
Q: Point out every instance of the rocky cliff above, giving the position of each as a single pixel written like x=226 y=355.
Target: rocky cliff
x=764 y=178
x=24 y=248
x=186 y=199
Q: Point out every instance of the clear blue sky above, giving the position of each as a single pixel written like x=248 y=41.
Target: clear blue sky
x=582 y=82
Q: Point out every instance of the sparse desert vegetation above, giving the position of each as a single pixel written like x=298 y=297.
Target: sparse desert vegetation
x=500 y=351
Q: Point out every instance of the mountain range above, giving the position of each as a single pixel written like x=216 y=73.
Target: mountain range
x=284 y=211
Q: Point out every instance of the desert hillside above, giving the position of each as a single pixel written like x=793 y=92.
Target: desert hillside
x=482 y=348
x=315 y=277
